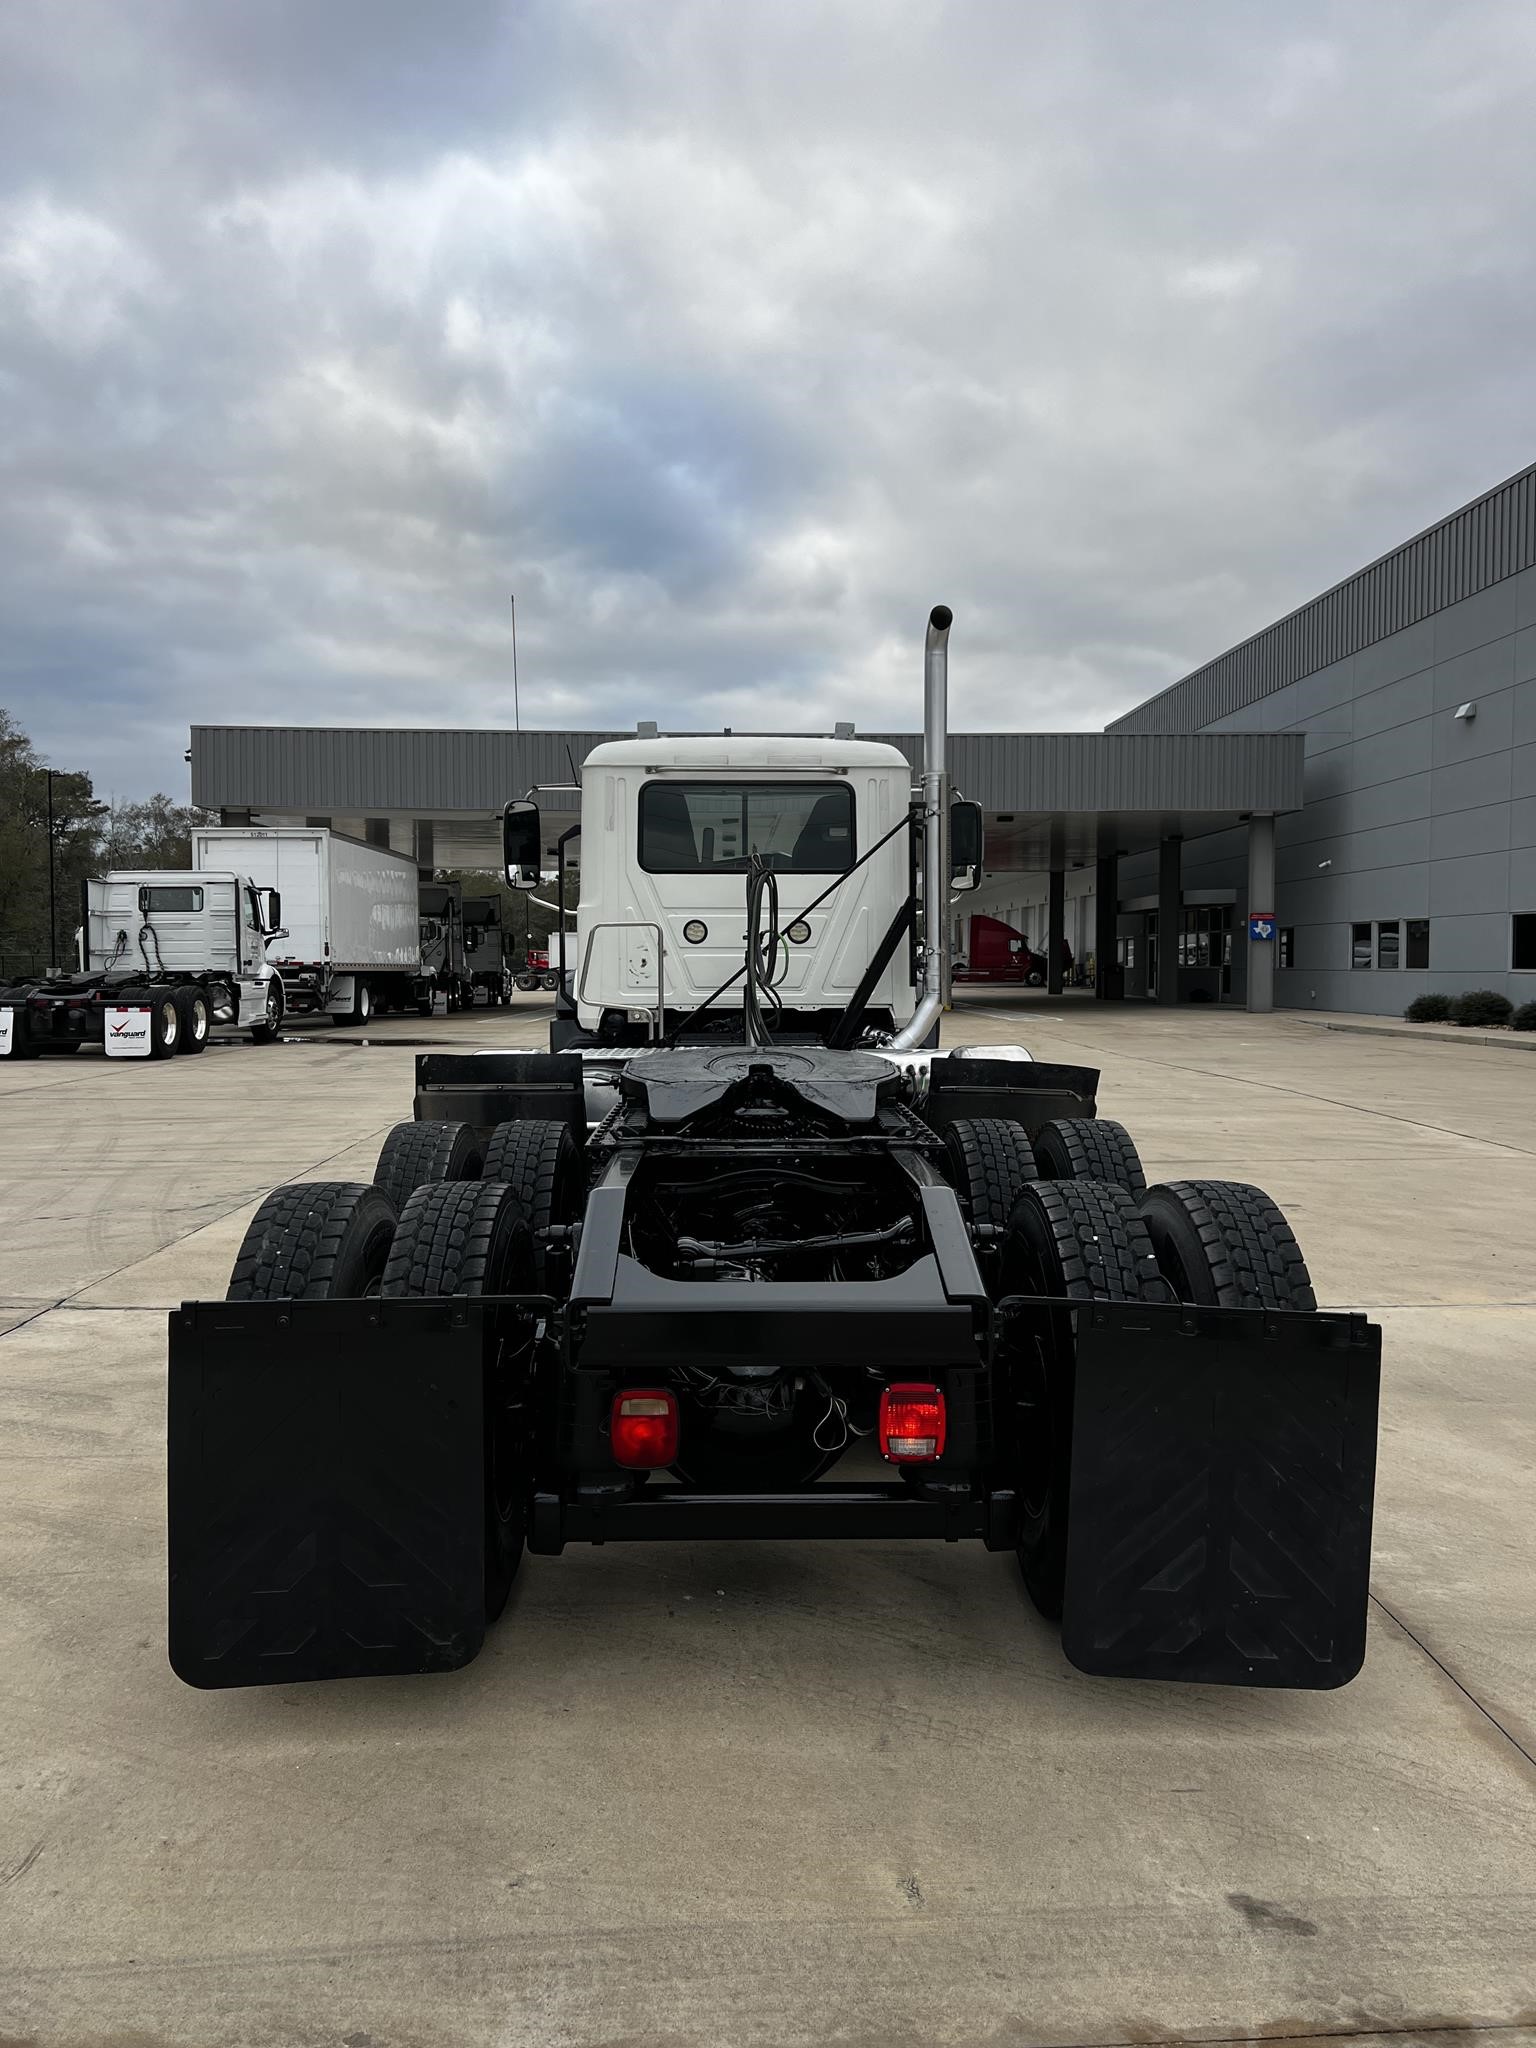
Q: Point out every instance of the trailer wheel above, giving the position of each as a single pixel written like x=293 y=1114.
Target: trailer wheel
x=1222 y=1244
x=541 y=1162
x=192 y=1006
x=362 y=1003
x=322 y=1240
x=527 y=983
x=474 y=1239
x=1081 y=1239
x=419 y=1155
x=164 y=1025
x=271 y=1023
x=1089 y=1148
x=991 y=1162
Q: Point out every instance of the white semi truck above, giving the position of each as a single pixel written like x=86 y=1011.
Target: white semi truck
x=166 y=959
x=353 y=913
x=748 y=1257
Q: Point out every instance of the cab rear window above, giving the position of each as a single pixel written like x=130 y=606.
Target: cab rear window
x=697 y=828
x=166 y=898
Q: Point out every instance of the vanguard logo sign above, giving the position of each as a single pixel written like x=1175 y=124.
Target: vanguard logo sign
x=127 y=1033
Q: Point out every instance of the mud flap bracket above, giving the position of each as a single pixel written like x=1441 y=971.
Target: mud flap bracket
x=1223 y=1465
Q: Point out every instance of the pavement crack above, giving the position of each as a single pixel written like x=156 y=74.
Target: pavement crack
x=1465 y=1690
x=9 y=1872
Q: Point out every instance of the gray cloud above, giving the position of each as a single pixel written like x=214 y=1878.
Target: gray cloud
x=730 y=338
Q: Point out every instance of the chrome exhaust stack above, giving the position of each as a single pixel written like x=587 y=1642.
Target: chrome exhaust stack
x=935 y=787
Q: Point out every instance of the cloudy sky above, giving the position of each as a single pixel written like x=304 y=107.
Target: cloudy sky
x=730 y=337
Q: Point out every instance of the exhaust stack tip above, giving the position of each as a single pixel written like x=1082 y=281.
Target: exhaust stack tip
x=940 y=619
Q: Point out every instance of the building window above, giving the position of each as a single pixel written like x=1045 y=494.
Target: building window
x=1523 y=953
x=319 y=821
x=1418 y=942
x=1388 y=937
x=1287 y=946
x=376 y=831
x=1205 y=935
x=1359 y=945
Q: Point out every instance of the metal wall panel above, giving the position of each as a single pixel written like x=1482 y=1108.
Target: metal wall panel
x=1473 y=550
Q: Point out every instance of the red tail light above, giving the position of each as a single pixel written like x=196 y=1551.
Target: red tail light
x=643 y=1427
x=911 y=1424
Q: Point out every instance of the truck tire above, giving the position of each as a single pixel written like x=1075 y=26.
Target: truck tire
x=323 y=1240
x=473 y=1238
x=265 y=1033
x=1081 y=1239
x=991 y=1162
x=549 y=983
x=164 y=1024
x=362 y=1003
x=541 y=1162
x=1089 y=1148
x=1222 y=1244
x=527 y=983
x=420 y=1155
x=192 y=1004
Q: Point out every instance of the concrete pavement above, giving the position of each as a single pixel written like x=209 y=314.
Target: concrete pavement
x=778 y=1794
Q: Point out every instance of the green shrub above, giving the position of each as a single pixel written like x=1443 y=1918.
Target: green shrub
x=1524 y=1018
x=1482 y=1006
x=1434 y=1009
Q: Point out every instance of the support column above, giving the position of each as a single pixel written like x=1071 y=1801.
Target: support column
x=1056 y=931
x=1108 y=985
x=1170 y=917
x=1261 y=897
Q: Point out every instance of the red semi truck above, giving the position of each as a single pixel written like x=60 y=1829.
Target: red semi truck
x=997 y=952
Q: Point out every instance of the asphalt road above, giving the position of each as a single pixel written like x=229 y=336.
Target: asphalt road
x=781 y=1794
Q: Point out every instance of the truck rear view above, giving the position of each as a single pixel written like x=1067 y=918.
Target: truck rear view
x=796 y=1277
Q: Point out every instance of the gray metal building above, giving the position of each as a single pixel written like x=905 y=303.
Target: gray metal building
x=1412 y=862
x=1072 y=807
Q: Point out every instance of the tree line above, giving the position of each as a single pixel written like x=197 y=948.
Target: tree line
x=56 y=812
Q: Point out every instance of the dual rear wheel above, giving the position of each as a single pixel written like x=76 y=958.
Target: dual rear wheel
x=1070 y=1218
x=444 y=1216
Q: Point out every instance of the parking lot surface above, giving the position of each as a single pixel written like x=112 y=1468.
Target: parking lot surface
x=783 y=1793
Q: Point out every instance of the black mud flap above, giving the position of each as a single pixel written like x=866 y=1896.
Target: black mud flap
x=1223 y=1463
x=326 y=1489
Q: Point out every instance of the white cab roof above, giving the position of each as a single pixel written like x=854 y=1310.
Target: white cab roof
x=716 y=752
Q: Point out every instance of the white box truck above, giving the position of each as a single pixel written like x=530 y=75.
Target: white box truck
x=352 y=914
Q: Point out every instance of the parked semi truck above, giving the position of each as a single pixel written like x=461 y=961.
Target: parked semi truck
x=539 y=971
x=165 y=960
x=745 y=1256
x=485 y=948
x=355 y=918
x=998 y=952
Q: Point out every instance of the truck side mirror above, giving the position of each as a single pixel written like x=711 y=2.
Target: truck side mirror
x=966 y=840
x=269 y=910
x=520 y=843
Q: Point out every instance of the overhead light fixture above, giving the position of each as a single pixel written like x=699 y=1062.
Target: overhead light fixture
x=1467 y=711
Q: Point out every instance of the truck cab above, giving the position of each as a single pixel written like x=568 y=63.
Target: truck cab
x=669 y=829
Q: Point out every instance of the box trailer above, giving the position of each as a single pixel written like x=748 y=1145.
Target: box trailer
x=351 y=911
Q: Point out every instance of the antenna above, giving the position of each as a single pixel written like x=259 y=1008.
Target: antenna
x=517 y=716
